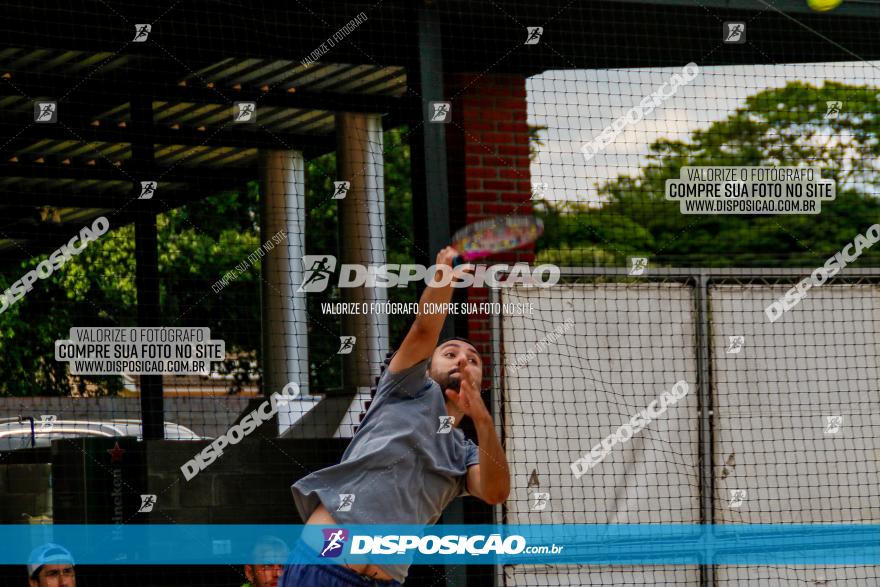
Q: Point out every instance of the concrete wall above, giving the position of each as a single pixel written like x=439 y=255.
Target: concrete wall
x=249 y=484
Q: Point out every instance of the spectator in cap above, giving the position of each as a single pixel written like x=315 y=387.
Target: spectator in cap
x=51 y=566
x=270 y=554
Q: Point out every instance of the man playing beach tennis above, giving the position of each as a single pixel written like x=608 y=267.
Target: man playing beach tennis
x=409 y=458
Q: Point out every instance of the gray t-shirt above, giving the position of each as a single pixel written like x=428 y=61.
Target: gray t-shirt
x=400 y=469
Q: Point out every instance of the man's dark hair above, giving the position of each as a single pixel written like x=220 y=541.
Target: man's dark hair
x=451 y=338
x=461 y=338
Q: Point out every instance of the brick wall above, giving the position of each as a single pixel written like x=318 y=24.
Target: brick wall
x=488 y=159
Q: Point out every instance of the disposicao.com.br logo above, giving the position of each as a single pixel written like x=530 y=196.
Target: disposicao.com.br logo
x=394 y=544
x=318 y=270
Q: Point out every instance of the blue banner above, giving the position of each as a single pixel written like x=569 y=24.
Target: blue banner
x=563 y=544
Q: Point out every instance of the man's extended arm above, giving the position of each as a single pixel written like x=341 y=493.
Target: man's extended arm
x=494 y=475
x=425 y=331
x=490 y=480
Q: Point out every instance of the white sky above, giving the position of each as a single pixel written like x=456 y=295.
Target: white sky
x=577 y=105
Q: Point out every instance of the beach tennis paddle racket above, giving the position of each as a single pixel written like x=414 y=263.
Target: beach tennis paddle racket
x=502 y=233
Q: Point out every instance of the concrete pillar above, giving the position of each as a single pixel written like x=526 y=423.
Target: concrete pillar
x=362 y=240
x=284 y=319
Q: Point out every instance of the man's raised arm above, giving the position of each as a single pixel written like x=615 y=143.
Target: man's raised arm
x=425 y=331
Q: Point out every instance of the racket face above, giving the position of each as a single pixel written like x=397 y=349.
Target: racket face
x=503 y=233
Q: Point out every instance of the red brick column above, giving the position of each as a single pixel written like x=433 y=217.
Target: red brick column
x=488 y=161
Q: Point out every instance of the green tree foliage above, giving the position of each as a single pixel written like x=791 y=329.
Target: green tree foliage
x=776 y=127
x=198 y=244
x=201 y=242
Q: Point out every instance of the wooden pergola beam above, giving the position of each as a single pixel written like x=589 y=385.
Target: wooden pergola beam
x=109 y=91
x=228 y=136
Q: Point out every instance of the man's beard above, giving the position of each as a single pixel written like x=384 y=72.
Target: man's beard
x=448 y=380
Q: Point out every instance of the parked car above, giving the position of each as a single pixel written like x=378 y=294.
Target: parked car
x=17 y=433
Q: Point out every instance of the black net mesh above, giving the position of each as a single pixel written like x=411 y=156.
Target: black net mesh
x=232 y=189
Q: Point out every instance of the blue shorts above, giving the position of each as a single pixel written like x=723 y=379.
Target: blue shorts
x=326 y=575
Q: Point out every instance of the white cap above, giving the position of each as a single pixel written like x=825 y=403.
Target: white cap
x=48 y=554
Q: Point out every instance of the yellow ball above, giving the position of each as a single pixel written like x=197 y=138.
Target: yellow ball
x=823 y=5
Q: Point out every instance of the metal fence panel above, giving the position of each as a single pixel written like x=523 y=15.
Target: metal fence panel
x=620 y=347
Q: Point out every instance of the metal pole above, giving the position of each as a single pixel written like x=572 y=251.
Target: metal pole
x=361 y=213
x=284 y=319
x=430 y=184
x=146 y=254
x=496 y=398
x=707 y=483
x=716 y=272
x=430 y=187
